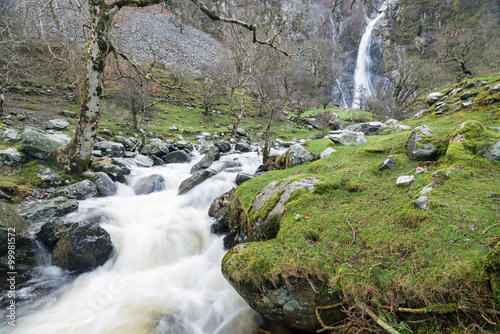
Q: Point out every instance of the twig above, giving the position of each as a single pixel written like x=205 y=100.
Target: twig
x=353 y=231
x=379 y=321
x=340 y=204
x=484 y=232
x=325 y=327
x=386 y=198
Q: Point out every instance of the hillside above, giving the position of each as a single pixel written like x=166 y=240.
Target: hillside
x=357 y=239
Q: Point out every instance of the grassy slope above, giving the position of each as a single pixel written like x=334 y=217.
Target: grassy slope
x=360 y=232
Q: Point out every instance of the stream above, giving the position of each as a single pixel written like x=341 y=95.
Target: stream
x=164 y=276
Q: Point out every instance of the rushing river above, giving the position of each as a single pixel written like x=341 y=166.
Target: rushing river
x=164 y=276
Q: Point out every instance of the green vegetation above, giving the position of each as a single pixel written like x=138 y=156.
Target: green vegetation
x=362 y=235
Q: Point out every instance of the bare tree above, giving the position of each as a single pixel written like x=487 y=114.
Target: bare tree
x=77 y=154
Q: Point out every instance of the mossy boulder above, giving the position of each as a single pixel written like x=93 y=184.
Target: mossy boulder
x=423 y=144
x=492 y=267
x=269 y=206
x=84 y=247
x=25 y=248
x=39 y=144
x=55 y=207
x=290 y=303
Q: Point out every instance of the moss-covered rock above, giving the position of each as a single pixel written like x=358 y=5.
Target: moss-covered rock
x=424 y=144
x=290 y=303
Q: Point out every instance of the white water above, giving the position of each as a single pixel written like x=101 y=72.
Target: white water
x=164 y=276
x=362 y=78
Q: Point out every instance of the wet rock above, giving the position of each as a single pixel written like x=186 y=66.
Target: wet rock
x=298 y=155
x=51 y=232
x=291 y=304
x=176 y=157
x=11 y=157
x=110 y=149
x=243 y=177
x=156 y=148
x=212 y=154
x=55 y=207
x=346 y=137
x=49 y=176
x=137 y=160
x=84 y=247
x=149 y=184
x=243 y=147
x=493 y=152
x=57 y=124
x=39 y=144
x=127 y=143
x=240 y=132
x=170 y=324
x=220 y=210
x=195 y=179
x=419 y=146
x=116 y=173
x=223 y=146
x=261 y=169
x=388 y=163
x=105 y=185
x=184 y=146
x=433 y=98
x=80 y=190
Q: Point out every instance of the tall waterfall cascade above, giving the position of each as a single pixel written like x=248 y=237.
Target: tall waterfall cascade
x=164 y=276
x=362 y=79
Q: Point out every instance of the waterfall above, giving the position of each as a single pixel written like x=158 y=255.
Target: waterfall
x=362 y=80
x=164 y=276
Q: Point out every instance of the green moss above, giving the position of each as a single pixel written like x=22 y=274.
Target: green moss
x=268 y=207
x=442 y=308
x=297 y=194
x=457 y=154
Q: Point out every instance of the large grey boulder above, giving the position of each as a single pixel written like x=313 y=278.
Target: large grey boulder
x=25 y=248
x=55 y=207
x=149 y=184
x=212 y=154
x=49 y=176
x=80 y=190
x=84 y=247
x=39 y=144
x=116 y=173
x=176 y=157
x=51 y=232
x=11 y=157
x=195 y=179
x=104 y=184
x=346 y=137
x=267 y=210
x=298 y=155
x=156 y=148
x=327 y=120
x=369 y=128
x=223 y=146
x=493 y=152
x=10 y=135
x=184 y=146
x=138 y=160
x=433 y=98
x=127 y=143
x=57 y=124
x=419 y=146
x=243 y=147
x=110 y=148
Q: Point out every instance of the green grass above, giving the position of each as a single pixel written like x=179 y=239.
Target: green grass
x=364 y=237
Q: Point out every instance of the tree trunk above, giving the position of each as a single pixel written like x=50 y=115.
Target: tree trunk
x=2 y=100
x=265 y=153
x=76 y=155
x=240 y=115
